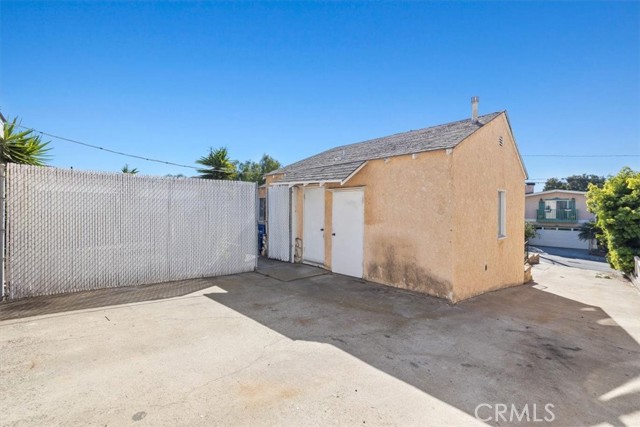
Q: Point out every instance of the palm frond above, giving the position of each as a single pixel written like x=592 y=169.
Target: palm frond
x=23 y=147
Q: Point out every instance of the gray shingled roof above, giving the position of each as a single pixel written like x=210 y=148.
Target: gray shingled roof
x=338 y=163
x=338 y=172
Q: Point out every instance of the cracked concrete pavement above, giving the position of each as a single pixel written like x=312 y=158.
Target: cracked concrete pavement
x=301 y=347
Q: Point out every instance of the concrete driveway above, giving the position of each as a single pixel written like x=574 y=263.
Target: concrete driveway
x=576 y=258
x=292 y=345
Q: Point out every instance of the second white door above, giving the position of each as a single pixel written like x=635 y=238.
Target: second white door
x=347 y=248
x=313 y=226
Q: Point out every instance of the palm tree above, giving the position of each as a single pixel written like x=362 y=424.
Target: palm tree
x=132 y=171
x=217 y=165
x=589 y=231
x=22 y=147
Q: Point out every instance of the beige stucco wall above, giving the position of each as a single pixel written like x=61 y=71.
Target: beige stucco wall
x=407 y=222
x=532 y=200
x=481 y=167
x=431 y=218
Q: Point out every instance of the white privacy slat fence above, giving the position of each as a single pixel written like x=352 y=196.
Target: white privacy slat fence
x=278 y=223
x=73 y=230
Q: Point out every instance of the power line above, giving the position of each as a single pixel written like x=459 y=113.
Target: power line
x=105 y=149
x=148 y=159
x=581 y=155
x=117 y=152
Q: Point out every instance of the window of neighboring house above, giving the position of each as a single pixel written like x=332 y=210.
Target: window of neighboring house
x=556 y=208
x=502 y=214
x=262 y=209
x=556 y=204
x=562 y=204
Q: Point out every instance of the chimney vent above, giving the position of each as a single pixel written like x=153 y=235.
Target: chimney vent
x=529 y=187
x=474 y=108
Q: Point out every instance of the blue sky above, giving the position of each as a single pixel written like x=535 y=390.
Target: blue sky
x=170 y=79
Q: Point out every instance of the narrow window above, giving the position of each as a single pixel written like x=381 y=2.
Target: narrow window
x=502 y=214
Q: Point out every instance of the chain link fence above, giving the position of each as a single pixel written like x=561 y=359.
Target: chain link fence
x=71 y=231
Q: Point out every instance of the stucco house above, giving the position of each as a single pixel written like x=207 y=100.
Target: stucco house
x=437 y=210
x=558 y=216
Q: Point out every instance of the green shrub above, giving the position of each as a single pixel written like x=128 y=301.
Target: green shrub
x=617 y=209
x=529 y=231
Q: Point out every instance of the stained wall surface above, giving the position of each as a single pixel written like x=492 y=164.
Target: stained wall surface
x=407 y=216
x=431 y=218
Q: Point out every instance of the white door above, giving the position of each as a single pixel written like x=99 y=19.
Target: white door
x=278 y=223
x=313 y=225
x=347 y=248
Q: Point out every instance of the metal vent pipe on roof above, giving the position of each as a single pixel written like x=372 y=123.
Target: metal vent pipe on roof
x=474 y=108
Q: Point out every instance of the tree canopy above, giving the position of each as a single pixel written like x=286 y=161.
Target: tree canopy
x=574 y=182
x=220 y=166
x=217 y=165
x=22 y=147
x=617 y=209
x=255 y=171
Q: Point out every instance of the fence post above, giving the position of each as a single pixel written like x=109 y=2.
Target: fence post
x=2 y=228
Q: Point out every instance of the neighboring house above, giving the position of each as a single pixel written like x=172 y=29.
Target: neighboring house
x=437 y=210
x=558 y=216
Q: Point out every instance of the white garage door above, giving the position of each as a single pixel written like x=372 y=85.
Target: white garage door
x=559 y=238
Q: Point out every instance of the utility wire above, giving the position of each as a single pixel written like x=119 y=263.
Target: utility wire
x=581 y=155
x=228 y=170
x=118 y=152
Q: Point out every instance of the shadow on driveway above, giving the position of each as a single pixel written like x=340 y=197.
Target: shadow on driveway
x=516 y=346
x=51 y=304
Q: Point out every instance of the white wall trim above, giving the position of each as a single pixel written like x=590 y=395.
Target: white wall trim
x=540 y=193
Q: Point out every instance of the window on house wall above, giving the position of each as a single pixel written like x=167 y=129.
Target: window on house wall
x=502 y=214
x=262 y=208
x=555 y=204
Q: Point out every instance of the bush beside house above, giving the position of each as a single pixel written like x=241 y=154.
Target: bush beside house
x=617 y=208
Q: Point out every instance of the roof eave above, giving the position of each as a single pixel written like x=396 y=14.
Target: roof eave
x=557 y=190
x=309 y=182
x=352 y=174
x=524 y=168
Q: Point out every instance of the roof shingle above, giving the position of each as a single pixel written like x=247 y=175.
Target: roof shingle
x=336 y=164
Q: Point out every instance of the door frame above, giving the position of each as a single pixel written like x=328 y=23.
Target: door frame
x=294 y=221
